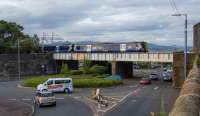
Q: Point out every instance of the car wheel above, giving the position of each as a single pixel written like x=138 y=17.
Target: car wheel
x=66 y=90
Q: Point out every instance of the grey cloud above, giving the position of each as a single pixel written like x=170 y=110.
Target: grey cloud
x=112 y=20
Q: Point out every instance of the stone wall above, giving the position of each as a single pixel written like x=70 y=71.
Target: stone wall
x=188 y=102
x=196 y=41
x=31 y=64
x=178 y=67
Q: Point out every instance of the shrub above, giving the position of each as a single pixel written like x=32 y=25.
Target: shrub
x=76 y=72
x=34 y=81
x=65 y=70
x=83 y=83
x=86 y=66
x=77 y=82
x=198 y=61
x=98 y=70
x=103 y=76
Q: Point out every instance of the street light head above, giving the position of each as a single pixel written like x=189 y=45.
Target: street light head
x=176 y=14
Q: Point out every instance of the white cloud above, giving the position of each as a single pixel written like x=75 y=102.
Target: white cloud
x=104 y=20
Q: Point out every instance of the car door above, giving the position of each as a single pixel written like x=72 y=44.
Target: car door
x=50 y=85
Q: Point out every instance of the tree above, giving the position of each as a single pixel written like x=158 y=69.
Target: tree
x=10 y=33
x=86 y=66
x=65 y=70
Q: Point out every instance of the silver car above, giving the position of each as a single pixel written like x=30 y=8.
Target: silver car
x=45 y=98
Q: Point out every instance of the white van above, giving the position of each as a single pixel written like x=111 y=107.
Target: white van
x=57 y=85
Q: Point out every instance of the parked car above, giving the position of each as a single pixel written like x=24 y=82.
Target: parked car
x=135 y=66
x=45 y=98
x=57 y=85
x=167 y=75
x=154 y=76
x=145 y=81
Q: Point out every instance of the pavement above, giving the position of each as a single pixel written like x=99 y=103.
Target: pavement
x=10 y=108
x=125 y=100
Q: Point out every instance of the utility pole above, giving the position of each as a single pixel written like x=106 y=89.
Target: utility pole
x=52 y=37
x=19 y=59
x=185 y=47
x=43 y=37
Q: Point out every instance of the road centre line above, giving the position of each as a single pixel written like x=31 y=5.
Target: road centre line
x=60 y=98
x=77 y=97
x=155 y=88
x=12 y=99
x=26 y=99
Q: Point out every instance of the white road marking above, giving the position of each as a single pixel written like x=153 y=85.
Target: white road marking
x=60 y=98
x=155 y=88
x=107 y=109
x=12 y=99
x=112 y=102
x=77 y=97
x=133 y=86
x=114 y=98
x=25 y=99
x=137 y=90
x=133 y=100
x=144 y=87
x=99 y=106
x=125 y=96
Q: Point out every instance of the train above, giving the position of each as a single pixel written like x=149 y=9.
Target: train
x=97 y=47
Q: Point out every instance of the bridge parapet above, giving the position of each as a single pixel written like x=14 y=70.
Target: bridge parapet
x=134 y=57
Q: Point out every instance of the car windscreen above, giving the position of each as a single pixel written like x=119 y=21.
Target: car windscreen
x=46 y=94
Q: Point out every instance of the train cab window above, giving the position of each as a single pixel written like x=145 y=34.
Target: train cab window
x=78 y=47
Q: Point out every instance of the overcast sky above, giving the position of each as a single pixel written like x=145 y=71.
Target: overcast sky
x=104 y=20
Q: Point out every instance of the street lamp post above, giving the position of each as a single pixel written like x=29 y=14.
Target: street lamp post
x=19 y=60
x=185 y=47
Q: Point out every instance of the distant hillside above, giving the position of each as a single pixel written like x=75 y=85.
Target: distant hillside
x=155 y=47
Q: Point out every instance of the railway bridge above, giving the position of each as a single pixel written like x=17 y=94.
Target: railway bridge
x=122 y=63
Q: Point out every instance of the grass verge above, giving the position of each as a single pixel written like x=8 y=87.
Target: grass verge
x=79 y=81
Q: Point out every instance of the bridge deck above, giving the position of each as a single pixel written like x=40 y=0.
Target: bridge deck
x=134 y=57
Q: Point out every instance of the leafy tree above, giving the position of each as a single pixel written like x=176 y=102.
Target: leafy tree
x=86 y=66
x=10 y=33
x=98 y=70
x=65 y=70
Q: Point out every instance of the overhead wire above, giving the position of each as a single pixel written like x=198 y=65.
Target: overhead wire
x=173 y=6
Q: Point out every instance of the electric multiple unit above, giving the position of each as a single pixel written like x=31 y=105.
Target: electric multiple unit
x=100 y=47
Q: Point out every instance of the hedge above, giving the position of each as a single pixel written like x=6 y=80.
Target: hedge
x=83 y=83
x=76 y=72
x=80 y=83
x=103 y=76
x=96 y=69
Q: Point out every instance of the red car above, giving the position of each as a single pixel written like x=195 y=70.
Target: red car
x=145 y=81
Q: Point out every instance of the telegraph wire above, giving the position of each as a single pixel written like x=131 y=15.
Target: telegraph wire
x=173 y=6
